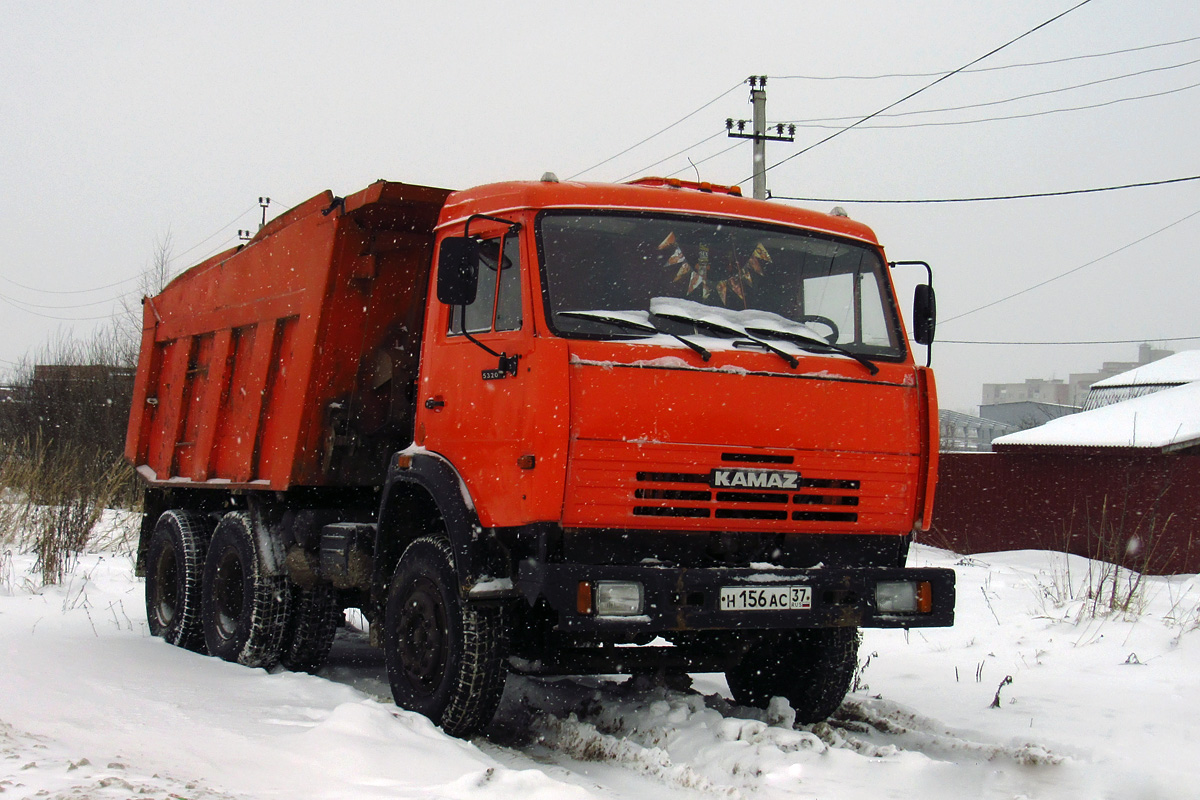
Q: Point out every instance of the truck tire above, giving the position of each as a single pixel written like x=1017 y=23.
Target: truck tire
x=174 y=568
x=445 y=658
x=311 y=627
x=244 y=604
x=811 y=668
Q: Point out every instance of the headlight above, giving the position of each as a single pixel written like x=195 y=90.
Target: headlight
x=619 y=599
x=904 y=597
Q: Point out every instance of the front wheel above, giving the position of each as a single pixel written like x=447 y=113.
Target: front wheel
x=811 y=668
x=445 y=658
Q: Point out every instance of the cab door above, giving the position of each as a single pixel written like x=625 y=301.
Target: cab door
x=473 y=397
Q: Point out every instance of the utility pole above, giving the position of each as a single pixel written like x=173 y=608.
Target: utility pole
x=758 y=98
x=264 y=202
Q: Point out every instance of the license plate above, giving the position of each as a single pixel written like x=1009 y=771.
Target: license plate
x=773 y=598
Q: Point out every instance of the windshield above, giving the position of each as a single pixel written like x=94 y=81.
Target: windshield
x=781 y=284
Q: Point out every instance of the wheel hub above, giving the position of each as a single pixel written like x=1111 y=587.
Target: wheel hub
x=229 y=594
x=166 y=589
x=422 y=635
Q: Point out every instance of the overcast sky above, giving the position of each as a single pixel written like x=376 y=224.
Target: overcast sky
x=121 y=123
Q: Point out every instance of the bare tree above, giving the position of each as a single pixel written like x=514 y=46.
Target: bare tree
x=126 y=334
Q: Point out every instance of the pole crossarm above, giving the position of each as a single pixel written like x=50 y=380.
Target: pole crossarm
x=778 y=136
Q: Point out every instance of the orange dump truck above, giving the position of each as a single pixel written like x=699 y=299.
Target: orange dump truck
x=540 y=427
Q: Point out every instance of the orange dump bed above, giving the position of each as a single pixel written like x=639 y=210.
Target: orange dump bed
x=289 y=361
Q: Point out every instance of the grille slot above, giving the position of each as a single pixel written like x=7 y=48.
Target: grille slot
x=672 y=477
x=750 y=513
x=671 y=511
x=671 y=494
x=696 y=503
x=756 y=458
x=824 y=516
x=825 y=500
x=751 y=497
x=824 y=483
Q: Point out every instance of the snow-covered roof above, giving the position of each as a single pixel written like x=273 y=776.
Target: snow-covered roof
x=1166 y=420
x=1180 y=368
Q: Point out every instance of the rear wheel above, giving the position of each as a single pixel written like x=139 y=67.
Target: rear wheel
x=174 y=569
x=313 y=623
x=244 y=604
x=445 y=658
x=811 y=668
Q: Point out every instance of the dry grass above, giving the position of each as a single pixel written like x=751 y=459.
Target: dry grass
x=53 y=497
x=1121 y=549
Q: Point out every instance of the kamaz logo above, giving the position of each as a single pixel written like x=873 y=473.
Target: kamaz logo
x=753 y=479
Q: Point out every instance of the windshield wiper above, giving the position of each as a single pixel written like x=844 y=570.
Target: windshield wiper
x=808 y=342
x=634 y=325
x=728 y=330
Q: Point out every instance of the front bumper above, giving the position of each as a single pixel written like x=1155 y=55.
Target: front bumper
x=685 y=599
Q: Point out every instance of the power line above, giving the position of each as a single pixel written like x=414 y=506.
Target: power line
x=220 y=247
x=1058 y=344
x=217 y=232
x=69 y=291
x=733 y=146
x=1010 y=116
x=19 y=302
x=658 y=133
x=979 y=69
x=924 y=88
x=993 y=197
x=24 y=306
x=642 y=171
x=1072 y=271
x=114 y=283
x=53 y=316
x=1009 y=99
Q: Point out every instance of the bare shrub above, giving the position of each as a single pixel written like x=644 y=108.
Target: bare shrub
x=6 y=571
x=53 y=497
x=1121 y=548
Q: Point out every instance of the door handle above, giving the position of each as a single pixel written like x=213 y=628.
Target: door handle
x=435 y=403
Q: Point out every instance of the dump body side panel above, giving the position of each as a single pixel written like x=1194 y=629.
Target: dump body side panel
x=289 y=361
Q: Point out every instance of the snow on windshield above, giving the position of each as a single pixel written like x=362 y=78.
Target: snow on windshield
x=740 y=320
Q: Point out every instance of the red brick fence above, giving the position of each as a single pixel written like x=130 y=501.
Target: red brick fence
x=1137 y=507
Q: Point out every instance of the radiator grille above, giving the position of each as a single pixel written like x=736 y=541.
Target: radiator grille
x=816 y=499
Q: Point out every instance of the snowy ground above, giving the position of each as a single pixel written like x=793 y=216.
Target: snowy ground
x=93 y=707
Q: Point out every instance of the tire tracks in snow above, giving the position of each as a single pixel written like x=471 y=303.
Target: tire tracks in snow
x=861 y=723
x=705 y=743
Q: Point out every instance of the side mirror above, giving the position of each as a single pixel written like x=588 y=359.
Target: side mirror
x=458 y=271
x=924 y=314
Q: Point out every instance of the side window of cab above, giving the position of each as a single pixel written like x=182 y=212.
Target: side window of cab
x=497 y=305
